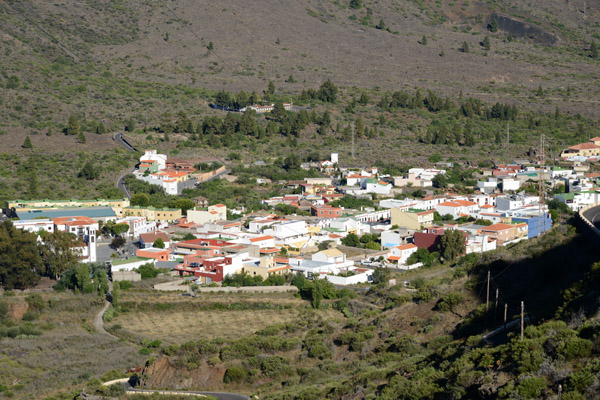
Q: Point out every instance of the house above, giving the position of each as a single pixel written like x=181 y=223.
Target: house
x=137 y=225
x=411 y=218
x=147 y=239
x=395 y=237
x=217 y=212
x=157 y=254
x=266 y=241
x=577 y=200
x=430 y=238
x=332 y=256
x=457 y=208
x=418 y=177
x=356 y=179
x=153 y=157
x=506 y=233
x=589 y=149
x=325 y=211
x=310 y=267
x=399 y=254
x=265 y=267
x=488 y=186
x=372 y=185
x=536 y=225
x=200 y=201
x=344 y=225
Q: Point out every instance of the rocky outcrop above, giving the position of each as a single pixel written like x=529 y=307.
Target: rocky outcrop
x=524 y=30
x=163 y=374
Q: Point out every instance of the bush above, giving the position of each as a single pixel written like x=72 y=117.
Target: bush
x=36 y=302
x=30 y=315
x=276 y=366
x=577 y=348
x=531 y=388
x=235 y=373
x=148 y=271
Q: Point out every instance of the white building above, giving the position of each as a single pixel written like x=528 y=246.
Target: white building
x=457 y=208
x=152 y=156
x=287 y=230
x=35 y=225
x=399 y=254
x=332 y=256
x=217 y=212
x=137 y=225
x=85 y=229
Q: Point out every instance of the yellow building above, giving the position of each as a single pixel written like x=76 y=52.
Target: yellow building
x=267 y=267
x=153 y=214
x=411 y=218
x=25 y=205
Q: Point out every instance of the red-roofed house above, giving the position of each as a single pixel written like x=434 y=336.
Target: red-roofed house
x=263 y=241
x=399 y=254
x=148 y=239
x=591 y=148
x=506 y=233
x=457 y=207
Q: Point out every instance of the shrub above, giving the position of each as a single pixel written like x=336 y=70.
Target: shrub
x=577 y=348
x=276 y=366
x=235 y=373
x=36 y=302
x=30 y=315
x=531 y=388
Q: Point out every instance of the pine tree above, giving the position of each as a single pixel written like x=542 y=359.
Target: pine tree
x=594 y=50
x=486 y=43
x=493 y=26
x=81 y=138
x=360 y=129
x=424 y=40
x=27 y=144
x=73 y=126
x=364 y=99
x=464 y=48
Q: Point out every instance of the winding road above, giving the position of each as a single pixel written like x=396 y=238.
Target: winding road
x=593 y=215
x=218 y=395
x=118 y=137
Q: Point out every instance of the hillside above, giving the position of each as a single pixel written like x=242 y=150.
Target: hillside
x=113 y=60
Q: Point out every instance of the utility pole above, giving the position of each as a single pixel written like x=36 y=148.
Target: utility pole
x=505 y=314
x=496 y=305
x=508 y=133
x=541 y=222
x=487 y=298
x=522 y=318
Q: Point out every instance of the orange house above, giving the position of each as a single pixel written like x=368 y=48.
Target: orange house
x=157 y=254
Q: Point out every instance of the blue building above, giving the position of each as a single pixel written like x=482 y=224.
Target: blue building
x=533 y=224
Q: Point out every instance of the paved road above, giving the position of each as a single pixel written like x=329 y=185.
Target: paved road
x=593 y=215
x=121 y=185
x=118 y=137
x=218 y=395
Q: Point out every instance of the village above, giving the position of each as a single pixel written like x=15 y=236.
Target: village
x=208 y=243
